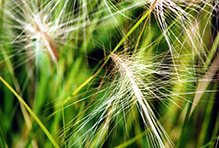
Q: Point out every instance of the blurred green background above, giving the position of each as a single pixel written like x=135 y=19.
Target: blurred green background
x=85 y=34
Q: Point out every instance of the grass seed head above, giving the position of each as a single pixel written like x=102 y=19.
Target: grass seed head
x=41 y=27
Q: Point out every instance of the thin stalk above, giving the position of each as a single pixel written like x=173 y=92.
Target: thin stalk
x=136 y=46
x=2 y=2
x=31 y=112
x=132 y=140
x=2 y=140
x=202 y=86
x=130 y=32
x=63 y=122
x=63 y=112
x=212 y=51
x=211 y=71
x=17 y=87
x=107 y=59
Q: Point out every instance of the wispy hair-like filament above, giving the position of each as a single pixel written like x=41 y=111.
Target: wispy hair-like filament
x=148 y=116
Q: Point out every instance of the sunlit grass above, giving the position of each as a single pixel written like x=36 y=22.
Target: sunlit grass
x=109 y=73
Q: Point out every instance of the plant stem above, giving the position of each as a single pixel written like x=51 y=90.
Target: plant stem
x=31 y=112
x=107 y=59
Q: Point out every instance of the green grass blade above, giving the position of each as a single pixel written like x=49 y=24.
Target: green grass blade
x=31 y=112
x=2 y=139
x=211 y=142
x=127 y=143
x=212 y=51
x=212 y=70
x=115 y=49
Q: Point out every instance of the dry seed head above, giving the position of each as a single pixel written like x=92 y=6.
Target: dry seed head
x=129 y=87
x=45 y=38
x=150 y=120
x=40 y=26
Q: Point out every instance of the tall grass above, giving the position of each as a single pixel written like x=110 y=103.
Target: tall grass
x=130 y=73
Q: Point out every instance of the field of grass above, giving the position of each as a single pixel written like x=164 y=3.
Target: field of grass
x=112 y=74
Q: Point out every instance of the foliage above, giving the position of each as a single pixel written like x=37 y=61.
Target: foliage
x=130 y=73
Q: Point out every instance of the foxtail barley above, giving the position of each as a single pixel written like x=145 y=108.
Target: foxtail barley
x=154 y=66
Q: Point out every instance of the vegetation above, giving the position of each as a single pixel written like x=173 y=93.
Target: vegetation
x=120 y=73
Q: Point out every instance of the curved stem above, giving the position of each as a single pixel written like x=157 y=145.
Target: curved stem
x=31 y=112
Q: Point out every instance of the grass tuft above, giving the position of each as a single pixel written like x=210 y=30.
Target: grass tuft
x=130 y=73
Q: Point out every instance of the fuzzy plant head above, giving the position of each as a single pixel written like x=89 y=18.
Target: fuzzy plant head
x=127 y=73
x=133 y=84
x=40 y=26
